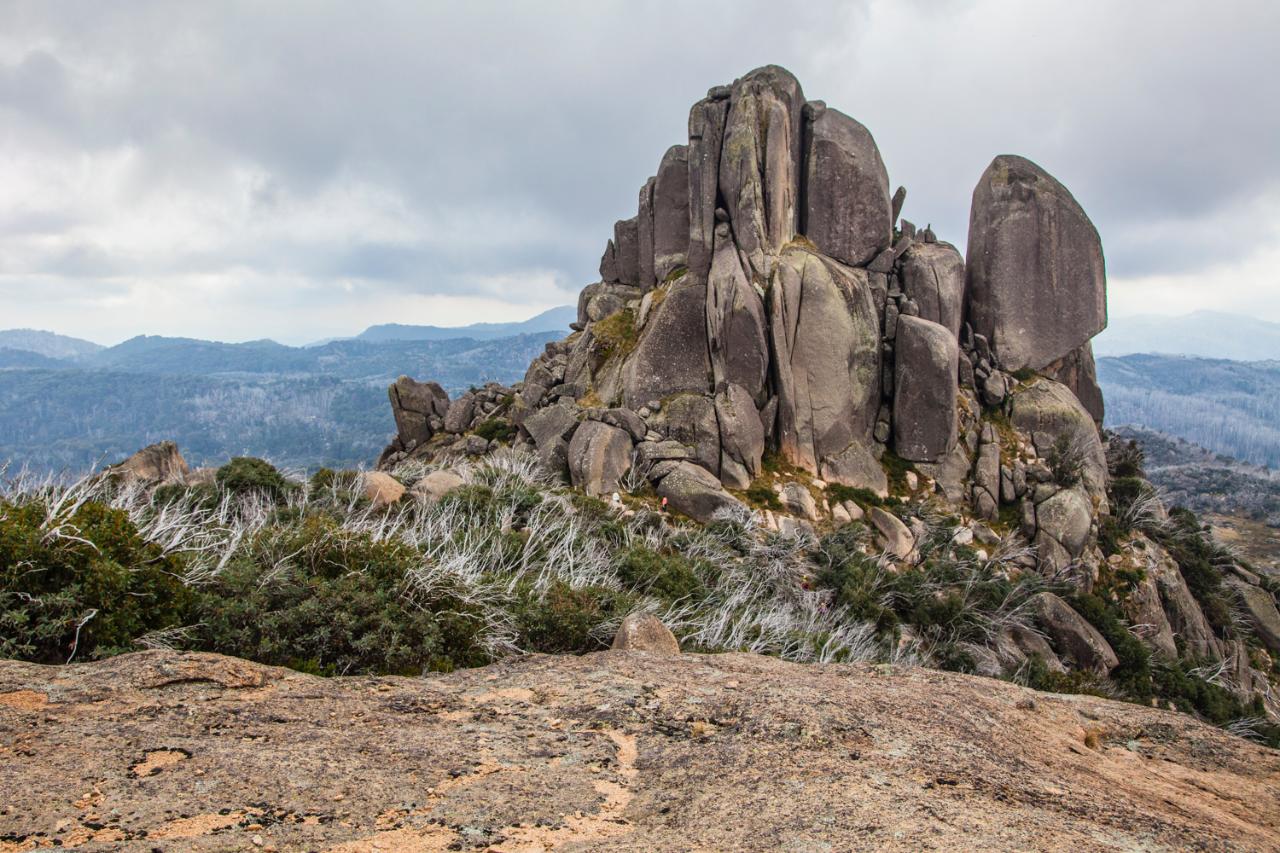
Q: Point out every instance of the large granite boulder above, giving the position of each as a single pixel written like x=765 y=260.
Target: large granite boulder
x=1057 y=422
x=691 y=420
x=1063 y=526
x=671 y=213
x=933 y=276
x=847 y=212
x=924 y=403
x=626 y=243
x=458 y=417
x=1142 y=606
x=706 y=133
x=671 y=356
x=694 y=491
x=741 y=437
x=760 y=164
x=550 y=428
x=1072 y=635
x=1181 y=608
x=737 y=328
x=415 y=405
x=825 y=338
x=1036 y=277
x=599 y=455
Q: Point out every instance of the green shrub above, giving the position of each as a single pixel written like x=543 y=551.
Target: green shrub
x=496 y=428
x=761 y=495
x=1133 y=674
x=668 y=576
x=92 y=588
x=896 y=468
x=1066 y=461
x=250 y=474
x=337 y=604
x=1196 y=554
x=564 y=620
x=839 y=494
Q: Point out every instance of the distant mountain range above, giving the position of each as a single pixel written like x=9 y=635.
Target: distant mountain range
x=1229 y=407
x=556 y=319
x=1206 y=334
x=67 y=404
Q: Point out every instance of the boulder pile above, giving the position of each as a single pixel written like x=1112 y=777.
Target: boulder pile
x=767 y=300
x=769 y=334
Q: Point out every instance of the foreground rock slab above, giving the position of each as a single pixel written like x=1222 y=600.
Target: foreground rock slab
x=611 y=751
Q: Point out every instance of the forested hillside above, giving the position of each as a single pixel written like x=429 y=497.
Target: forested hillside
x=1229 y=407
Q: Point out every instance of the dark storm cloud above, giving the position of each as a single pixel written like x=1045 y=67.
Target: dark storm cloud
x=419 y=148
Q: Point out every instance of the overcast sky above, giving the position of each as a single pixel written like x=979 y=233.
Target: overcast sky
x=303 y=170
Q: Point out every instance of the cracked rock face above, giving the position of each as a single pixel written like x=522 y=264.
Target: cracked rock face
x=767 y=301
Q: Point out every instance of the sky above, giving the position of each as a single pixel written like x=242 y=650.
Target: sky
x=301 y=170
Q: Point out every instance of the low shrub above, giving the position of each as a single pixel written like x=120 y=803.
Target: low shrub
x=837 y=493
x=84 y=586
x=332 y=602
x=762 y=496
x=496 y=428
x=249 y=474
x=564 y=620
x=669 y=576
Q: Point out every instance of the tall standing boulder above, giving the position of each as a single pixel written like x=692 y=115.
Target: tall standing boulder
x=737 y=328
x=927 y=356
x=644 y=233
x=741 y=437
x=671 y=213
x=825 y=340
x=760 y=164
x=847 y=212
x=599 y=455
x=706 y=133
x=626 y=245
x=933 y=276
x=1036 y=277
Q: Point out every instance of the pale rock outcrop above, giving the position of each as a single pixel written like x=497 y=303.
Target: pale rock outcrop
x=435 y=485
x=156 y=463
x=644 y=632
x=894 y=535
x=1036 y=277
x=381 y=490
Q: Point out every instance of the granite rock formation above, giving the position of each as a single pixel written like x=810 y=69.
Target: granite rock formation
x=768 y=313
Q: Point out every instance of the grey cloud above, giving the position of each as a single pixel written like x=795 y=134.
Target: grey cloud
x=535 y=124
